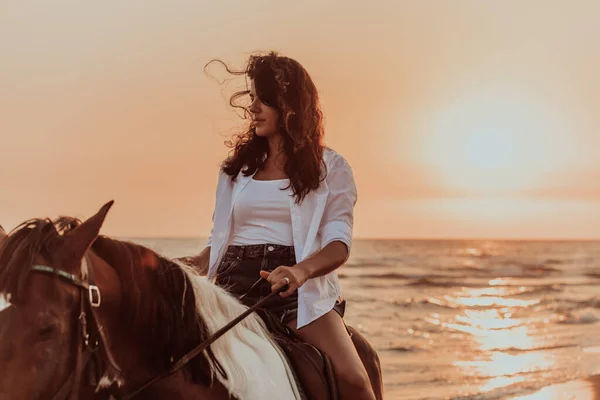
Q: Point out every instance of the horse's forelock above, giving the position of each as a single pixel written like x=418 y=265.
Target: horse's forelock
x=19 y=249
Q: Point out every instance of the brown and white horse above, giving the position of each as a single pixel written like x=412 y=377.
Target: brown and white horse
x=86 y=316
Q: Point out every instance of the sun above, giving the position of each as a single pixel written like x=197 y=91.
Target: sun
x=489 y=152
x=494 y=143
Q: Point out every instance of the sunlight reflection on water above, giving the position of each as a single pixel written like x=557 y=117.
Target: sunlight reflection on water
x=573 y=390
x=501 y=343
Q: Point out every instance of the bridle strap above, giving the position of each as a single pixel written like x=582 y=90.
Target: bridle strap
x=80 y=363
x=203 y=346
x=102 y=339
x=90 y=334
x=70 y=278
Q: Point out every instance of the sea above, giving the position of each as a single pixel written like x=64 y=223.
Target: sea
x=471 y=319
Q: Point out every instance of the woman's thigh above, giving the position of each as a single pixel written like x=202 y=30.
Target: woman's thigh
x=329 y=334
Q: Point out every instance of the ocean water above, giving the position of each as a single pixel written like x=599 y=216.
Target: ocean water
x=470 y=319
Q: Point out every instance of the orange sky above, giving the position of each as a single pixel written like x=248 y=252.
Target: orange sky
x=460 y=119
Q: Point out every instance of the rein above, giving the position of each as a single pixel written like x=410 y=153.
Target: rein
x=204 y=345
x=95 y=338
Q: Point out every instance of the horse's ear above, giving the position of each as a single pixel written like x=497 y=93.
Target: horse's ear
x=3 y=234
x=82 y=237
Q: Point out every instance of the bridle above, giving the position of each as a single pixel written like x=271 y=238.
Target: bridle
x=93 y=339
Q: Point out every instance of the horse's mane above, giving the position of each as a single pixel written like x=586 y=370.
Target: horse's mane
x=189 y=309
x=19 y=250
x=255 y=365
x=159 y=307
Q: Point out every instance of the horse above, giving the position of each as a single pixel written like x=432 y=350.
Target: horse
x=87 y=316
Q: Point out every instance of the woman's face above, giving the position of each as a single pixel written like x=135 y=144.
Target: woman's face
x=264 y=117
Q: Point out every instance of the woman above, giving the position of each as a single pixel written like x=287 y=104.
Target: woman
x=284 y=212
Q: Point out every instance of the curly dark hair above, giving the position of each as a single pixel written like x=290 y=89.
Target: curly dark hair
x=284 y=84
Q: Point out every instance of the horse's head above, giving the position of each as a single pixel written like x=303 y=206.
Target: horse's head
x=39 y=322
x=143 y=302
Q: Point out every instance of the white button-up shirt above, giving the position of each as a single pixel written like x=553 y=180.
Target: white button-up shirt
x=325 y=215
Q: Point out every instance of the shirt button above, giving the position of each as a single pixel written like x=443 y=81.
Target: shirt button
x=270 y=248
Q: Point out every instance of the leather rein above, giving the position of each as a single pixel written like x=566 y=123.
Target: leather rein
x=94 y=339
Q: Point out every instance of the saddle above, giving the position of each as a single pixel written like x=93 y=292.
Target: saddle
x=312 y=368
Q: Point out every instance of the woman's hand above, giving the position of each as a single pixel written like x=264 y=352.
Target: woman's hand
x=277 y=278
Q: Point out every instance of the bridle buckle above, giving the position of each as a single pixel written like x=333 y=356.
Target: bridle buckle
x=94 y=296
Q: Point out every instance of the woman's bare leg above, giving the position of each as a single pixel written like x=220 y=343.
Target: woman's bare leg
x=329 y=334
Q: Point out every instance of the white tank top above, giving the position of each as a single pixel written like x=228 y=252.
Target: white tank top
x=261 y=214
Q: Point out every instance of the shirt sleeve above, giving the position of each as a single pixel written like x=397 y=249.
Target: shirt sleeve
x=222 y=176
x=338 y=217
x=210 y=236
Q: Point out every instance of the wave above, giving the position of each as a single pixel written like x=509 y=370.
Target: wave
x=564 y=308
x=480 y=281
x=517 y=350
x=405 y=349
x=528 y=291
x=524 y=265
x=569 y=305
x=519 y=288
x=389 y=275
x=434 y=283
x=505 y=269
x=378 y=262
x=430 y=301
x=580 y=317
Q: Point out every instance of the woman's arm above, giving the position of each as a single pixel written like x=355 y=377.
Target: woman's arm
x=326 y=260
x=335 y=231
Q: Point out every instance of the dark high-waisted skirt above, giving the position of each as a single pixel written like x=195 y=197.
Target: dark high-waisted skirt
x=239 y=271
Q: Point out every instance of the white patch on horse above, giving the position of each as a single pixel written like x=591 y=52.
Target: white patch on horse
x=107 y=381
x=4 y=302
x=255 y=365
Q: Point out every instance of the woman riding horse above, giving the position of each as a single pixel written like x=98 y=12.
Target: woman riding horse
x=284 y=212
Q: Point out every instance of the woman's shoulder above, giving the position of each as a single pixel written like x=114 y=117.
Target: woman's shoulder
x=223 y=177
x=330 y=155
x=333 y=159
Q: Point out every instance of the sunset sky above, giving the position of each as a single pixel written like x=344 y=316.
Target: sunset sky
x=461 y=119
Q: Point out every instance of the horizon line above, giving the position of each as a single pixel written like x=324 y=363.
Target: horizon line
x=387 y=238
